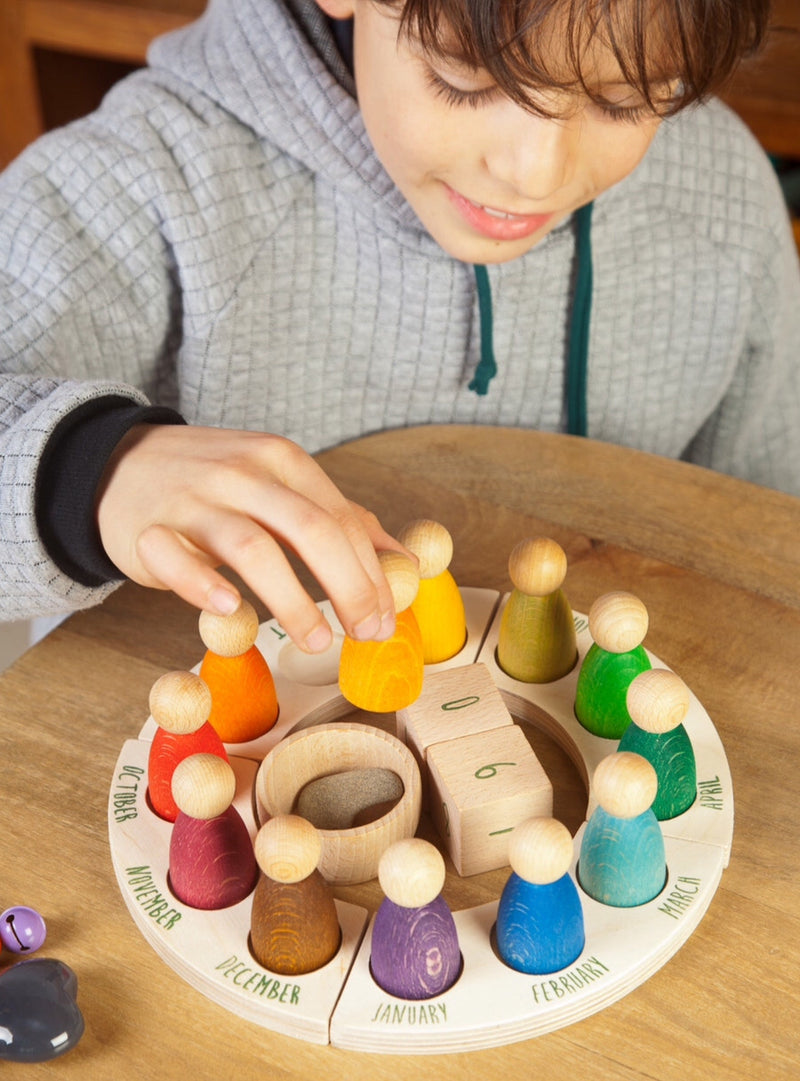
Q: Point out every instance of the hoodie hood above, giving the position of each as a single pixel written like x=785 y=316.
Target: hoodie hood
x=277 y=68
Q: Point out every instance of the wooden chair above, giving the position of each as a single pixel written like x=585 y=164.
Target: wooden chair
x=116 y=30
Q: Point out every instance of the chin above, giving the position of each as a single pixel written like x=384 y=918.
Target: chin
x=481 y=250
x=471 y=247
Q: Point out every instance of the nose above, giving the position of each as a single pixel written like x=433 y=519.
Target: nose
x=533 y=155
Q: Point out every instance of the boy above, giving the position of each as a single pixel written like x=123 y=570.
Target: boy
x=239 y=242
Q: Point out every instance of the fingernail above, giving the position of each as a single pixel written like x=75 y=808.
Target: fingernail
x=319 y=639
x=387 y=628
x=222 y=602
x=367 y=628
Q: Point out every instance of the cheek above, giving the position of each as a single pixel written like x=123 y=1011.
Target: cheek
x=382 y=109
x=406 y=138
x=393 y=144
x=621 y=150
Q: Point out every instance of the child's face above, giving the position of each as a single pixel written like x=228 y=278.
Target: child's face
x=487 y=178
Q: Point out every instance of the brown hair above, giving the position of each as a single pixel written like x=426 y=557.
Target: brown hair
x=697 y=43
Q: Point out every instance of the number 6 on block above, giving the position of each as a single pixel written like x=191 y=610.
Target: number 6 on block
x=481 y=787
x=455 y=702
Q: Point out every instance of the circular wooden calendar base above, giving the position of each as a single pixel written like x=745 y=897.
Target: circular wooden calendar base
x=489 y=1004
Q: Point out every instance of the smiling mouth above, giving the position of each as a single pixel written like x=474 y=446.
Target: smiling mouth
x=503 y=215
x=497 y=224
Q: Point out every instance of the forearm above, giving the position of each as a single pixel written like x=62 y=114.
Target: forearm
x=31 y=581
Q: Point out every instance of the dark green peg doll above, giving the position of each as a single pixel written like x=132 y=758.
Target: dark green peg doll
x=658 y=702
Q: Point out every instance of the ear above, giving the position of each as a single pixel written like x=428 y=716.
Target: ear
x=338 y=9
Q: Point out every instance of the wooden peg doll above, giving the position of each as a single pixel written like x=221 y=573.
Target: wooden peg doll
x=211 y=859
x=294 y=925
x=622 y=858
x=383 y=677
x=244 y=702
x=618 y=623
x=180 y=703
x=536 y=642
x=438 y=605
x=658 y=701
x=415 y=952
x=539 y=916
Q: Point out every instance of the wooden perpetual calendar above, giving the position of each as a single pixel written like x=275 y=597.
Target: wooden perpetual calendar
x=490 y=1004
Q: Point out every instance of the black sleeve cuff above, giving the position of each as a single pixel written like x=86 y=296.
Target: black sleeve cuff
x=68 y=477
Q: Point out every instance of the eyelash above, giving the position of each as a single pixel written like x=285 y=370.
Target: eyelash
x=454 y=97
x=473 y=99
x=629 y=115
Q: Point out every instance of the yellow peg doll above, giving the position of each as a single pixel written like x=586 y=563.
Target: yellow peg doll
x=383 y=677
x=438 y=605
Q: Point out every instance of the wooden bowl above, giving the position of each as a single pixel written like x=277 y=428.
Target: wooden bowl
x=348 y=855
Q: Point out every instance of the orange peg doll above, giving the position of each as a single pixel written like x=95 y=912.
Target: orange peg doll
x=386 y=676
x=244 y=702
x=294 y=925
x=438 y=605
x=180 y=703
x=537 y=642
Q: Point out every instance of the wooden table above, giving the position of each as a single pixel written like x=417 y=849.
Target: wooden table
x=716 y=561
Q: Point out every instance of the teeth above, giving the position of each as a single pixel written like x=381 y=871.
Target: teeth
x=494 y=213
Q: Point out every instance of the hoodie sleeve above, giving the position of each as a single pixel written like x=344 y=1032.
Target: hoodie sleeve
x=754 y=432
x=68 y=478
x=88 y=313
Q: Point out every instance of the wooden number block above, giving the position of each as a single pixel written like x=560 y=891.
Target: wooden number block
x=454 y=702
x=481 y=787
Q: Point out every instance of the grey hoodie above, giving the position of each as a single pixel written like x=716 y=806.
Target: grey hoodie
x=220 y=238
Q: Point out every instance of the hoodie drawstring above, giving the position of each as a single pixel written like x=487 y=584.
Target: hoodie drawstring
x=487 y=366
x=578 y=354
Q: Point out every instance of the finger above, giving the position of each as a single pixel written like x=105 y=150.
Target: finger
x=337 y=552
x=248 y=548
x=341 y=558
x=379 y=538
x=244 y=545
x=368 y=538
x=303 y=476
x=175 y=563
x=170 y=563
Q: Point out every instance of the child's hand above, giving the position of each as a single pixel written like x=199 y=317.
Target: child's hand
x=178 y=501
